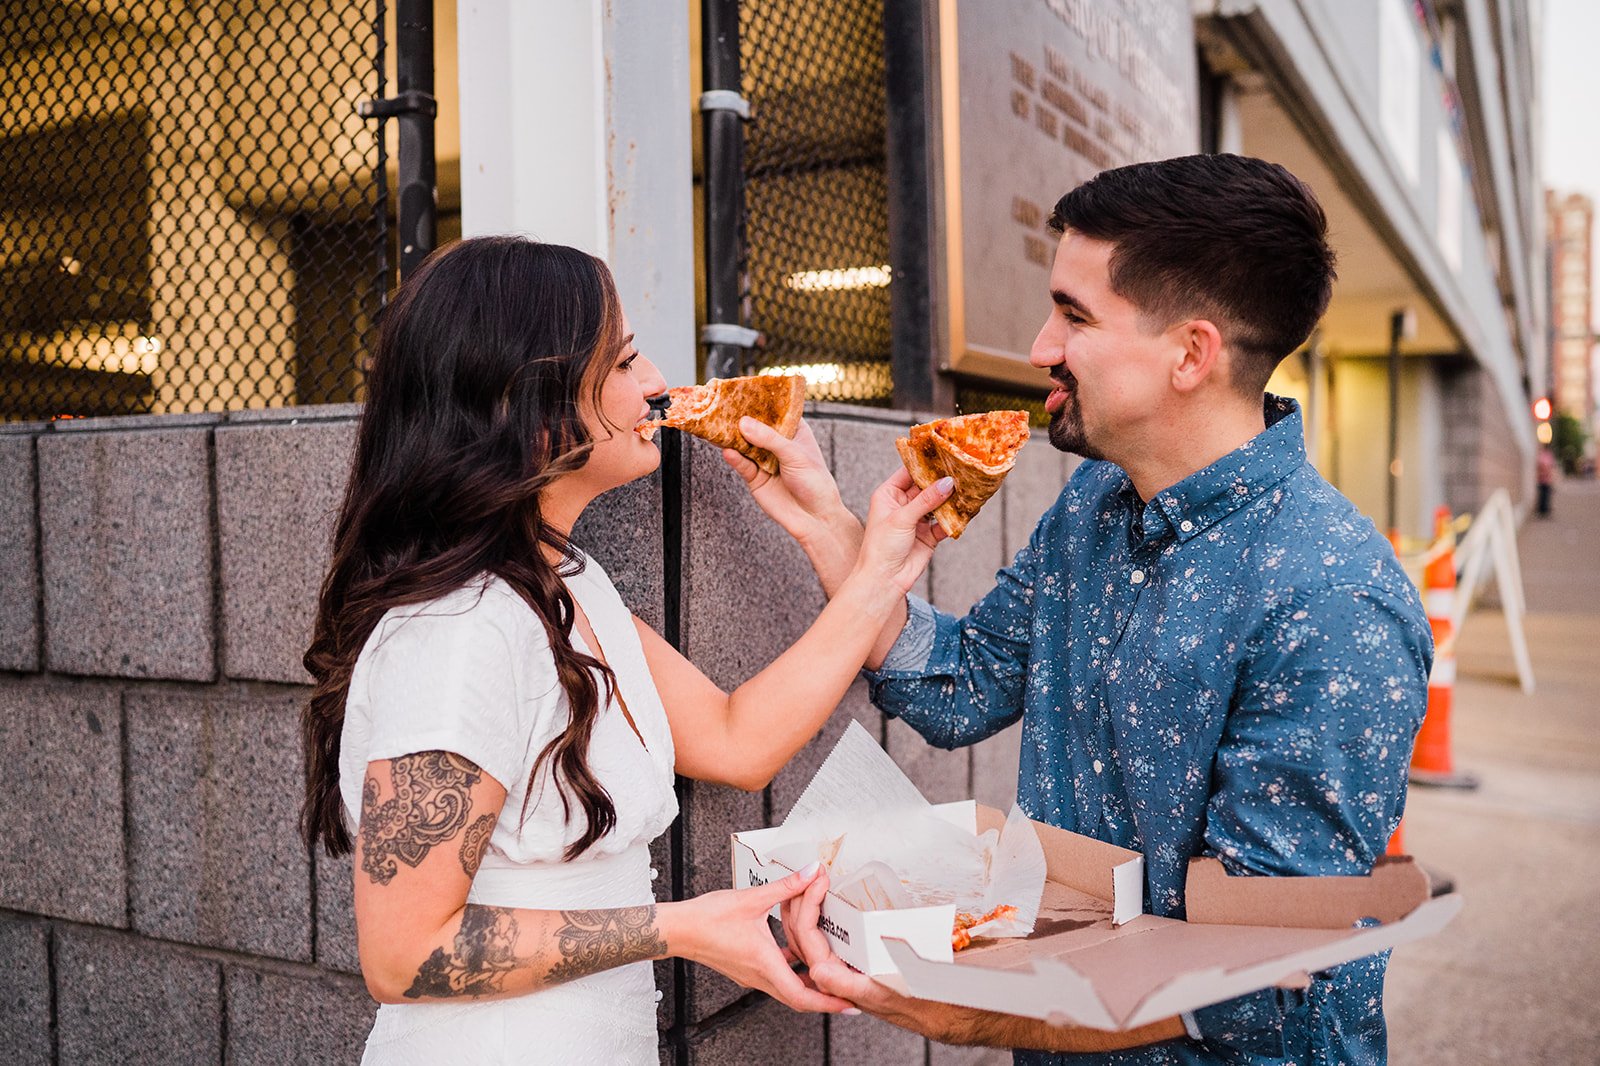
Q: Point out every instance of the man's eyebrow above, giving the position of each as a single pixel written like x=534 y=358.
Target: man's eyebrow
x=1066 y=299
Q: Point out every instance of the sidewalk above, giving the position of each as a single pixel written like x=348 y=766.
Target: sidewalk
x=1516 y=978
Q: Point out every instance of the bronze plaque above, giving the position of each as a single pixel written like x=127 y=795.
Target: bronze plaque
x=1037 y=96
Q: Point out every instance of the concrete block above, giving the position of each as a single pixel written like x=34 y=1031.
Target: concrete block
x=336 y=913
x=767 y=1032
x=943 y=776
x=127 y=553
x=868 y=1041
x=63 y=814
x=274 y=1018
x=122 y=1000
x=622 y=531
x=748 y=590
x=793 y=778
x=25 y=991
x=19 y=556
x=994 y=768
x=714 y=814
x=278 y=491
x=863 y=456
x=1029 y=490
x=963 y=570
x=214 y=790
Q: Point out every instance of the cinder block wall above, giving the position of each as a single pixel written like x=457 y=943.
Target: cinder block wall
x=157 y=582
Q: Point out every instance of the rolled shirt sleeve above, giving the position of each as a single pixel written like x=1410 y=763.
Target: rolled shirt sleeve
x=958 y=681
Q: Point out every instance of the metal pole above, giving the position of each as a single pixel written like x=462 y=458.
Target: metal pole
x=724 y=181
x=418 y=172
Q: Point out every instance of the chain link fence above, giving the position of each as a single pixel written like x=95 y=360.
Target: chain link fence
x=816 y=245
x=190 y=218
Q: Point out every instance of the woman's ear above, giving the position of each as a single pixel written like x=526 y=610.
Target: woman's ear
x=1201 y=353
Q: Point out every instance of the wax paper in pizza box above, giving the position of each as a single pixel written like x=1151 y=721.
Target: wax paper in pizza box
x=888 y=849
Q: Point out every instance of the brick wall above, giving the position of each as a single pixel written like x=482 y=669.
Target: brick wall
x=157 y=583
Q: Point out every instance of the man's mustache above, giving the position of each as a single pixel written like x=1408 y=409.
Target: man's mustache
x=1064 y=380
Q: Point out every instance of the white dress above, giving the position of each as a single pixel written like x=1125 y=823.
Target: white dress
x=472 y=673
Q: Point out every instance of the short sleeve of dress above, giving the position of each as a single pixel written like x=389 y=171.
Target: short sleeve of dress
x=446 y=679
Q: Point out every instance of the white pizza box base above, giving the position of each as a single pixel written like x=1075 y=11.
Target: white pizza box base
x=1094 y=960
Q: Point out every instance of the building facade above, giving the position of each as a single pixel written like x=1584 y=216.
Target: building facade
x=1572 y=391
x=851 y=189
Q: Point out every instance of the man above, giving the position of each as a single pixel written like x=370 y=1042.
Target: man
x=1211 y=651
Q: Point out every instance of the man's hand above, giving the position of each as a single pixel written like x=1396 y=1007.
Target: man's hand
x=946 y=1023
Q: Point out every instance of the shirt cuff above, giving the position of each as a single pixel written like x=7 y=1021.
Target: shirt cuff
x=914 y=647
x=1191 y=1026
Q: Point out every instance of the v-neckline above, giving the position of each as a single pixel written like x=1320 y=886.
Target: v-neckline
x=597 y=651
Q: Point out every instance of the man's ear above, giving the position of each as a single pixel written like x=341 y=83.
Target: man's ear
x=1201 y=356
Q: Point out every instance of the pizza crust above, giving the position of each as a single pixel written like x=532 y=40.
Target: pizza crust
x=712 y=412
x=976 y=450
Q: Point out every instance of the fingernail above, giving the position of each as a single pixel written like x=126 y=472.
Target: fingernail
x=945 y=484
x=810 y=871
x=851 y=1011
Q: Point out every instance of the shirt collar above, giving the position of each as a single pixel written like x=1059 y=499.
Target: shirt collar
x=1207 y=496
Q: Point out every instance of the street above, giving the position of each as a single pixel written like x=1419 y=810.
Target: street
x=1516 y=979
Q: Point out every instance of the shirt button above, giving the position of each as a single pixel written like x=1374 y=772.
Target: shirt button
x=1186 y=525
x=653 y=873
x=1137 y=577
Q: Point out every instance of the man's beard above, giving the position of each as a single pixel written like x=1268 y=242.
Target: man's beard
x=1066 y=427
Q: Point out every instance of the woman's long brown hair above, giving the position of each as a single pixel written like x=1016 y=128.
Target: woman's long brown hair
x=472 y=408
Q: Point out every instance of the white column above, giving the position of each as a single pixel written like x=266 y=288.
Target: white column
x=575 y=129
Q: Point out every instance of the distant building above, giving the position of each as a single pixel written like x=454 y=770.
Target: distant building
x=1571 y=222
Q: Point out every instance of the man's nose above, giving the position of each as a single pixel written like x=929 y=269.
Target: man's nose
x=1049 y=348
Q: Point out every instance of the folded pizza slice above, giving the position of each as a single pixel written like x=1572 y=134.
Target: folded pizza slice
x=712 y=412
x=976 y=450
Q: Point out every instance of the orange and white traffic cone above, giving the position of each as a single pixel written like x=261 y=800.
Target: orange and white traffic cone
x=1431 y=759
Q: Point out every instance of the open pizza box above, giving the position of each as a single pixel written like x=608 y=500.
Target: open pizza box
x=1093 y=958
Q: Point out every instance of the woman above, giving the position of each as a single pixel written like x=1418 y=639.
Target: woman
x=500 y=729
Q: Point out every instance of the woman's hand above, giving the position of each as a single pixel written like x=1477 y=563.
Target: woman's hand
x=728 y=932
x=803 y=498
x=898 y=541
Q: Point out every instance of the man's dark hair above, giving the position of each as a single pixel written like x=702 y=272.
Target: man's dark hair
x=1238 y=241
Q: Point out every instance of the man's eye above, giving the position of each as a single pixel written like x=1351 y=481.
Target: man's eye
x=1073 y=317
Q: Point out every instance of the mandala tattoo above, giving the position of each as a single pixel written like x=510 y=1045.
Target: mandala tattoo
x=591 y=941
x=475 y=843
x=432 y=795
x=481 y=957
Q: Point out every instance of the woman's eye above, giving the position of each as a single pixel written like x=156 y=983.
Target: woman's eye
x=627 y=364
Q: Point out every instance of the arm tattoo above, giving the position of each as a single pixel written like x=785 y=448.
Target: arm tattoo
x=430 y=805
x=475 y=843
x=484 y=954
x=592 y=941
x=481 y=958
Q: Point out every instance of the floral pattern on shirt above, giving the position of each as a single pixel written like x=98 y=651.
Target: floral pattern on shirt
x=1235 y=668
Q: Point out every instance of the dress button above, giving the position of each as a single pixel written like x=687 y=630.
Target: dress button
x=654 y=873
x=1137 y=577
x=1186 y=525
x=658 y=995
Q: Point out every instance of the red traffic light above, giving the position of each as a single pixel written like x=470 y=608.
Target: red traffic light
x=1541 y=408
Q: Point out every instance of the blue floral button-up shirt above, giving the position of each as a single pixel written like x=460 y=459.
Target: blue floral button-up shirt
x=1235 y=668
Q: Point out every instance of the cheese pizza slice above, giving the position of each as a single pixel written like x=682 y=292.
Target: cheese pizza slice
x=712 y=412
x=976 y=450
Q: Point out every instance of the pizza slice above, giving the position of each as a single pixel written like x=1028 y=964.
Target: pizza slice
x=712 y=412
x=977 y=450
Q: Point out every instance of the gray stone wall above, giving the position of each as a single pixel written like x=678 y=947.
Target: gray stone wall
x=158 y=578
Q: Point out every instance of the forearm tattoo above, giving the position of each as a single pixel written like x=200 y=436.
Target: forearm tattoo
x=430 y=804
x=591 y=941
x=481 y=958
x=483 y=953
